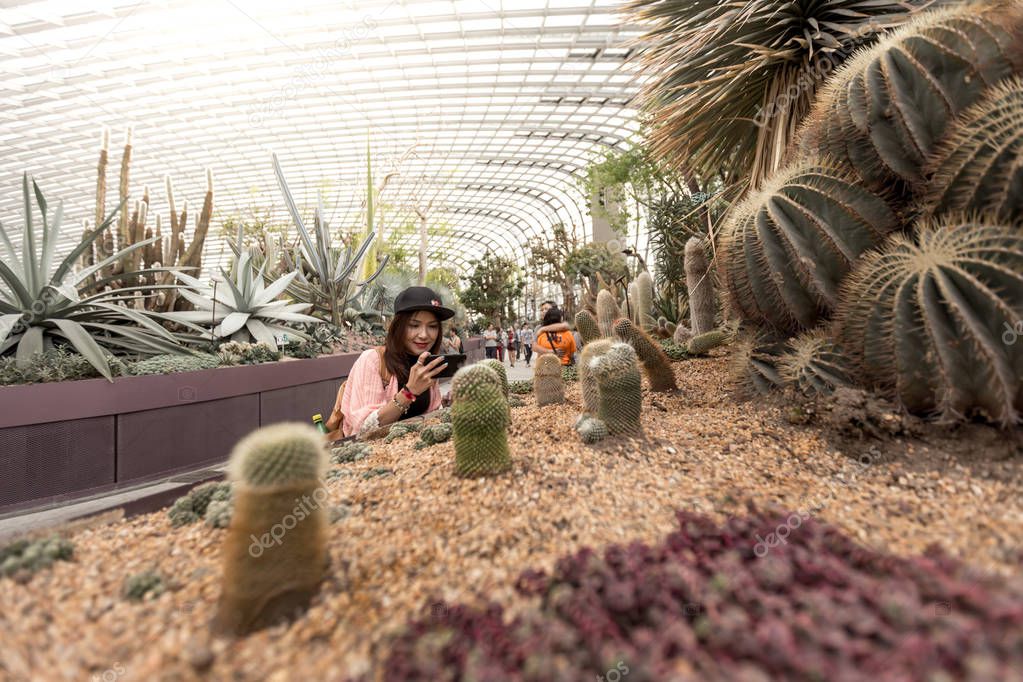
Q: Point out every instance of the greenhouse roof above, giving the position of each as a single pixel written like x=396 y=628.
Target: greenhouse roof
x=485 y=112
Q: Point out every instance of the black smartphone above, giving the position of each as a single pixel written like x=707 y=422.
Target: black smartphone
x=454 y=360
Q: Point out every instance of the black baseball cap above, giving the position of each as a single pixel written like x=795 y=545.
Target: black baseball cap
x=421 y=298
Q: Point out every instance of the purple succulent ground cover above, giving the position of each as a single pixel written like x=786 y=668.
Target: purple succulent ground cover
x=703 y=606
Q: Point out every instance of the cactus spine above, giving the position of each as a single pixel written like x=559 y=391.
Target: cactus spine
x=607 y=312
x=586 y=325
x=702 y=304
x=754 y=367
x=591 y=429
x=704 y=343
x=502 y=374
x=656 y=364
x=587 y=380
x=621 y=389
x=814 y=366
x=479 y=421
x=271 y=568
x=548 y=385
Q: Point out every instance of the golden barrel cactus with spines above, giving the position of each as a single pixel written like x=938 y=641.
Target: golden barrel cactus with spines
x=753 y=366
x=814 y=366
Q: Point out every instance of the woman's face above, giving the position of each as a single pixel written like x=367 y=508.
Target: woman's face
x=421 y=332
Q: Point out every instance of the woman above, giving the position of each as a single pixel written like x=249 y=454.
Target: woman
x=490 y=342
x=452 y=342
x=392 y=382
x=513 y=348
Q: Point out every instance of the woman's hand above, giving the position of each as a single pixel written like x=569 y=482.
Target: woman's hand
x=421 y=377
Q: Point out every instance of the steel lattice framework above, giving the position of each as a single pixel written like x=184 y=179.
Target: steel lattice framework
x=485 y=111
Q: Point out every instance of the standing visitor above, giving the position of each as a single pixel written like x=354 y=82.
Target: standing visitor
x=526 y=340
x=490 y=342
x=513 y=347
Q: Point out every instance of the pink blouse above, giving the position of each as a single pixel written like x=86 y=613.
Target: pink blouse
x=365 y=394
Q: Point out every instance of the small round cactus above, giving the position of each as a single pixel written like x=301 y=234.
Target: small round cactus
x=591 y=429
x=480 y=418
x=435 y=433
x=621 y=389
x=547 y=382
x=218 y=513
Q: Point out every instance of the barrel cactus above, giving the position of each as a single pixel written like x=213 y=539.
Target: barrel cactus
x=548 y=385
x=587 y=381
x=586 y=325
x=934 y=319
x=621 y=389
x=591 y=429
x=656 y=364
x=754 y=366
x=887 y=109
x=607 y=312
x=814 y=366
x=977 y=169
x=702 y=302
x=479 y=419
x=502 y=373
x=786 y=249
x=275 y=550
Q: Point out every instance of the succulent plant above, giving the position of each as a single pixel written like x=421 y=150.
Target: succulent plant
x=607 y=312
x=888 y=108
x=433 y=434
x=501 y=372
x=59 y=364
x=620 y=387
x=587 y=380
x=271 y=568
x=193 y=506
x=28 y=556
x=976 y=169
x=814 y=365
x=754 y=366
x=644 y=301
x=352 y=451
x=480 y=418
x=401 y=429
x=548 y=385
x=136 y=587
x=170 y=364
x=591 y=429
x=704 y=343
x=586 y=325
x=656 y=364
x=218 y=513
x=673 y=350
x=932 y=320
x=520 y=387
x=786 y=249
x=238 y=353
x=682 y=335
x=703 y=305
x=569 y=373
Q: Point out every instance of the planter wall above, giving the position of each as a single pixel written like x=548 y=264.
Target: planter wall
x=73 y=439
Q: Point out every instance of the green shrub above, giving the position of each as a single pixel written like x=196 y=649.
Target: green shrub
x=521 y=387
x=673 y=350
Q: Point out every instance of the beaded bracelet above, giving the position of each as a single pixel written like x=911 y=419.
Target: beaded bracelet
x=397 y=403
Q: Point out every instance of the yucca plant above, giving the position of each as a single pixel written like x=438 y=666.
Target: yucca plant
x=243 y=308
x=729 y=82
x=887 y=110
x=933 y=319
x=786 y=249
x=41 y=304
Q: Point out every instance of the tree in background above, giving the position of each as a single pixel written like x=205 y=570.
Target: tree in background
x=548 y=256
x=493 y=286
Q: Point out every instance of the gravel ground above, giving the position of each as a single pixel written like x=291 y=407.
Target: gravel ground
x=419 y=534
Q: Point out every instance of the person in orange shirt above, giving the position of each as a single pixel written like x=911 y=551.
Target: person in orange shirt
x=561 y=344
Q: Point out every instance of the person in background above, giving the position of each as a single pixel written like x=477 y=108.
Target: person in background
x=526 y=341
x=490 y=342
x=561 y=343
x=500 y=343
x=452 y=343
x=560 y=327
x=513 y=346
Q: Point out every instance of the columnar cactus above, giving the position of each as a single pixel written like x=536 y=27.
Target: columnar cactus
x=607 y=312
x=645 y=301
x=786 y=249
x=814 y=365
x=702 y=303
x=548 y=385
x=586 y=325
x=754 y=367
x=634 y=310
x=587 y=380
x=704 y=343
x=977 y=168
x=656 y=364
x=886 y=110
x=275 y=551
x=479 y=419
x=935 y=319
x=502 y=373
x=621 y=389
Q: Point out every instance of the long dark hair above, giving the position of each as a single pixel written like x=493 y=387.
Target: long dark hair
x=395 y=352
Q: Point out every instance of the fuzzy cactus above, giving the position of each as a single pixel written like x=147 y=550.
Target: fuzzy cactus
x=620 y=387
x=682 y=335
x=704 y=343
x=977 y=168
x=275 y=550
x=702 y=303
x=548 y=385
x=218 y=513
x=814 y=366
x=586 y=325
x=479 y=419
x=754 y=366
x=634 y=310
x=934 y=320
x=786 y=249
x=607 y=312
x=656 y=364
x=591 y=429
x=645 y=301
x=587 y=381
x=502 y=373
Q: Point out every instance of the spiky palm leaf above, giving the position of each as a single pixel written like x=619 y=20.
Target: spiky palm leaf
x=719 y=69
x=40 y=304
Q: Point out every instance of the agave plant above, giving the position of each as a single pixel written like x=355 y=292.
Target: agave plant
x=243 y=309
x=41 y=305
x=729 y=82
